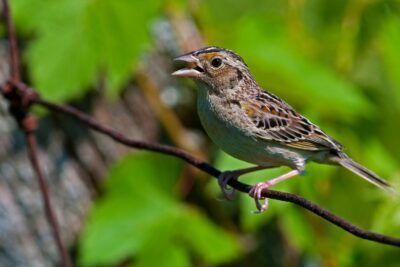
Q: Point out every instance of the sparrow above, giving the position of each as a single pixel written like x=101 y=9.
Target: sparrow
x=256 y=126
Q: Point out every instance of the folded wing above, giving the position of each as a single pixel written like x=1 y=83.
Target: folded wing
x=275 y=120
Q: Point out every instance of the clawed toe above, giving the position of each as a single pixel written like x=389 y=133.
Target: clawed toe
x=255 y=192
x=223 y=180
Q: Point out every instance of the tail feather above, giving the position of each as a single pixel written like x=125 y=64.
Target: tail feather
x=363 y=172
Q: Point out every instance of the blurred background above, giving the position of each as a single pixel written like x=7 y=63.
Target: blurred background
x=337 y=62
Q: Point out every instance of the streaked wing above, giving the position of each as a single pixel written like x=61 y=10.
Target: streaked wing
x=277 y=121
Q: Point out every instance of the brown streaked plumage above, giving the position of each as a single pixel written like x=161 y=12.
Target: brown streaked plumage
x=256 y=126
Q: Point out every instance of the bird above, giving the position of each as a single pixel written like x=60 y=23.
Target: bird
x=256 y=126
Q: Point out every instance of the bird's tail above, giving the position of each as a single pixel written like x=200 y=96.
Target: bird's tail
x=363 y=172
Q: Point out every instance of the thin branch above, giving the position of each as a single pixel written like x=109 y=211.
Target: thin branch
x=12 y=43
x=29 y=123
x=20 y=99
x=119 y=137
x=204 y=166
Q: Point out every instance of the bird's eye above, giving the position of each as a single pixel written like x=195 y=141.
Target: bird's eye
x=216 y=62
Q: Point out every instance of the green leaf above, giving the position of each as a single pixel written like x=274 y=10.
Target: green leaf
x=122 y=34
x=163 y=241
x=212 y=244
x=156 y=171
x=169 y=254
x=78 y=39
x=138 y=199
x=63 y=65
x=140 y=215
x=117 y=229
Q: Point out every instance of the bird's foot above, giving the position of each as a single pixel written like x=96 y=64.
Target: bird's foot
x=223 y=180
x=256 y=191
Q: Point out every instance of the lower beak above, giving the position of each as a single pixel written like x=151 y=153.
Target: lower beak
x=193 y=69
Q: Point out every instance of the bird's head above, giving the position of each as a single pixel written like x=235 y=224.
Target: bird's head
x=218 y=67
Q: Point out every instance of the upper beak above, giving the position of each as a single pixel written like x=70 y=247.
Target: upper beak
x=193 y=69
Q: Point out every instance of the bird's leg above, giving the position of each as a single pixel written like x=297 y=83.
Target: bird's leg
x=257 y=189
x=226 y=176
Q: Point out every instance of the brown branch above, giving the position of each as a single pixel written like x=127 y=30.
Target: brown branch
x=119 y=137
x=12 y=43
x=204 y=166
x=20 y=99
x=29 y=126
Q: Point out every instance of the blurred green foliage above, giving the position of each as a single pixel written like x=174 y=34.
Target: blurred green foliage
x=338 y=62
x=140 y=215
x=82 y=38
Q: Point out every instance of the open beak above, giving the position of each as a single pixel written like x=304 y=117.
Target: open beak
x=193 y=67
